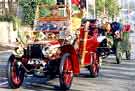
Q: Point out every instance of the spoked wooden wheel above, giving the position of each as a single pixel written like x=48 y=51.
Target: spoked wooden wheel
x=94 y=67
x=66 y=72
x=15 y=73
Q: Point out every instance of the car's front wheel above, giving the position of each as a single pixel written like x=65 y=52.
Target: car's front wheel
x=66 y=72
x=15 y=73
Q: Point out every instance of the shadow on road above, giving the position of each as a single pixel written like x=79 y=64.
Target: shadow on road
x=124 y=71
x=36 y=84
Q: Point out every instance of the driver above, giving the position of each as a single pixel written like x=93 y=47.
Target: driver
x=54 y=11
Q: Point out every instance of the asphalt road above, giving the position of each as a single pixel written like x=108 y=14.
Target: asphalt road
x=112 y=77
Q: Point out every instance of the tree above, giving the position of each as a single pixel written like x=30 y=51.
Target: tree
x=108 y=7
x=100 y=5
x=29 y=8
x=113 y=8
x=10 y=5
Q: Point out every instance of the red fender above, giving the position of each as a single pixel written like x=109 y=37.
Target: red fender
x=70 y=49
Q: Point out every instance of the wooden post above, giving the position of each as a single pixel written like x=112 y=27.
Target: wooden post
x=84 y=43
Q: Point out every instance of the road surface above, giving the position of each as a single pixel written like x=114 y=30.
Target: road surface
x=112 y=77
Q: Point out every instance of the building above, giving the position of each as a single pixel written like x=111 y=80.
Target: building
x=8 y=7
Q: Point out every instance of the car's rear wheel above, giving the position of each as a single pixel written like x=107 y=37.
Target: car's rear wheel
x=15 y=73
x=66 y=72
x=94 y=67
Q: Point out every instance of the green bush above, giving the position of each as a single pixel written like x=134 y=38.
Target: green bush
x=29 y=8
x=16 y=21
x=49 y=2
x=6 y=18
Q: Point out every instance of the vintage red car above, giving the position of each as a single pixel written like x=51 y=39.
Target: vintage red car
x=50 y=51
x=88 y=42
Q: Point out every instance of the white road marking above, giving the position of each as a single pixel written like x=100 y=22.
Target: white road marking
x=3 y=78
x=3 y=83
x=7 y=51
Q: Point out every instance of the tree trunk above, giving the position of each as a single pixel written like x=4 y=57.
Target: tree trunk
x=3 y=7
x=10 y=2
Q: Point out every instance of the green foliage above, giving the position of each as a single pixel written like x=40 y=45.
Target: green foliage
x=113 y=8
x=16 y=21
x=6 y=18
x=110 y=6
x=100 y=5
x=44 y=12
x=29 y=8
x=49 y=2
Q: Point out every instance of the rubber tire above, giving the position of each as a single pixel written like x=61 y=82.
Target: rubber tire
x=11 y=83
x=92 y=72
x=91 y=68
x=63 y=85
